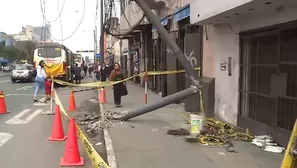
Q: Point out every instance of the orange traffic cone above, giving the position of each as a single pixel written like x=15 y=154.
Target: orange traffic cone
x=3 y=109
x=71 y=155
x=71 y=104
x=102 y=98
x=57 y=131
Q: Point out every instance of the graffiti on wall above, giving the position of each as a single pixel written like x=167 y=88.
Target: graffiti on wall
x=135 y=56
x=192 y=59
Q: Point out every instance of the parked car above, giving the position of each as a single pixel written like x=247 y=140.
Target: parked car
x=6 y=69
x=22 y=72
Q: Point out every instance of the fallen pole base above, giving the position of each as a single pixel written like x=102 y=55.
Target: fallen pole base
x=156 y=105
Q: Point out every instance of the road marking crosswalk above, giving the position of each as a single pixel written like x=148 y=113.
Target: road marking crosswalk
x=17 y=118
x=25 y=88
x=4 y=137
x=4 y=81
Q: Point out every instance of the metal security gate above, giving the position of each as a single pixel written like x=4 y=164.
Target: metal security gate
x=268 y=75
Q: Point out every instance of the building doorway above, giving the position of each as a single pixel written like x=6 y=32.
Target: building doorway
x=268 y=78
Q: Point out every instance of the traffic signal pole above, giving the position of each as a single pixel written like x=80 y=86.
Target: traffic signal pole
x=190 y=71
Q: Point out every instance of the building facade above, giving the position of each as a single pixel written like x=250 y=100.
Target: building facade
x=35 y=34
x=148 y=52
x=7 y=39
x=249 y=47
x=27 y=34
x=44 y=32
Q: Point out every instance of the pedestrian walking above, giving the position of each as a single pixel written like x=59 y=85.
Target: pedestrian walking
x=90 y=70
x=77 y=74
x=104 y=72
x=119 y=89
x=48 y=88
x=39 y=79
x=85 y=69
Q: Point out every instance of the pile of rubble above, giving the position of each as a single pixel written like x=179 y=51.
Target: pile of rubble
x=94 y=124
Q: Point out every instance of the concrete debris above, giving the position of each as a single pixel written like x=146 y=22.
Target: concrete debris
x=180 y=131
x=99 y=143
x=267 y=143
x=94 y=124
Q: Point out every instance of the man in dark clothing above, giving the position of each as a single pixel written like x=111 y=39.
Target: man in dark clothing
x=77 y=74
x=104 y=73
x=85 y=69
x=90 y=70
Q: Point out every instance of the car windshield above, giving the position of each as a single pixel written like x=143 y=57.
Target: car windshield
x=23 y=67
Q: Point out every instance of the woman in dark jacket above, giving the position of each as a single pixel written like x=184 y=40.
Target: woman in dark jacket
x=119 y=89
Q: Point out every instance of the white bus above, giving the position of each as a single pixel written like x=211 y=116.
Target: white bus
x=57 y=58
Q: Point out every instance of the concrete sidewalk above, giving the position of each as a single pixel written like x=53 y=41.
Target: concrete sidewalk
x=142 y=142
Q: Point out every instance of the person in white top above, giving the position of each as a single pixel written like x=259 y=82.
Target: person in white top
x=39 y=79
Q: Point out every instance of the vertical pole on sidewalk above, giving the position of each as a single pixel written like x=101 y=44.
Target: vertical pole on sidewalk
x=170 y=42
x=101 y=59
x=145 y=87
x=52 y=93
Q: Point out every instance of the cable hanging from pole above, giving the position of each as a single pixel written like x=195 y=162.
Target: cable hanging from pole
x=59 y=14
x=43 y=14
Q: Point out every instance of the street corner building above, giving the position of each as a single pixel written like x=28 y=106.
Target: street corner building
x=249 y=48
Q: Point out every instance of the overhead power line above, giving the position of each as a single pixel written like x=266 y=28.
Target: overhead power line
x=75 y=30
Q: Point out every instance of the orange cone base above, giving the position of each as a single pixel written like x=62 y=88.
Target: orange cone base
x=3 y=112
x=63 y=163
x=71 y=110
x=57 y=139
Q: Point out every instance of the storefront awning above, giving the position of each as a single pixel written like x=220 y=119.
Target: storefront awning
x=164 y=21
x=181 y=13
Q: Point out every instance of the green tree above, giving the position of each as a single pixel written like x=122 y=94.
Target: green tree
x=12 y=53
x=27 y=47
x=2 y=44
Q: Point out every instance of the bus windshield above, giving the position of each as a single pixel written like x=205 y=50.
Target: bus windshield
x=49 y=52
x=77 y=58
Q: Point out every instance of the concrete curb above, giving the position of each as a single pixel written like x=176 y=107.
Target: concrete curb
x=111 y=157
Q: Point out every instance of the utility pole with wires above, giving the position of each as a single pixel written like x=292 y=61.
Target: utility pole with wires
x=101 y=59
x=174 y=48
x=95 y=35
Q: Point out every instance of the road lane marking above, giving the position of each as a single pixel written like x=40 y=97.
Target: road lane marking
x=93 y=101
x=16 y=119
x=4 y=81
x=25 y=88
x=4 y=137
x=41 y=102
x=16 y=94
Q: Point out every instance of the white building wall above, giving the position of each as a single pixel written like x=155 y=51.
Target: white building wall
x=223 y=42
x=204 y=9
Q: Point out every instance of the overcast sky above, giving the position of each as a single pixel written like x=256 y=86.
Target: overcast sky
x=17 y=13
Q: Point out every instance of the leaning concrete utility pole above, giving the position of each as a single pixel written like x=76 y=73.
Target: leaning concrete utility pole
x=190 y=71
x=170 y=42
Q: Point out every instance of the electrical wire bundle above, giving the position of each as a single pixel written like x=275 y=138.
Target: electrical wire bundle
x=46 y=22
x=111 y=28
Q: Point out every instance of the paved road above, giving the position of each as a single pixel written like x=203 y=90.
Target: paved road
x=24 y=143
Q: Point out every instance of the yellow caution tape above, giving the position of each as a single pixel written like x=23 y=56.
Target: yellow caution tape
x=1 y=96
x=289 y=161
x=110 y=83
x=96 y=159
